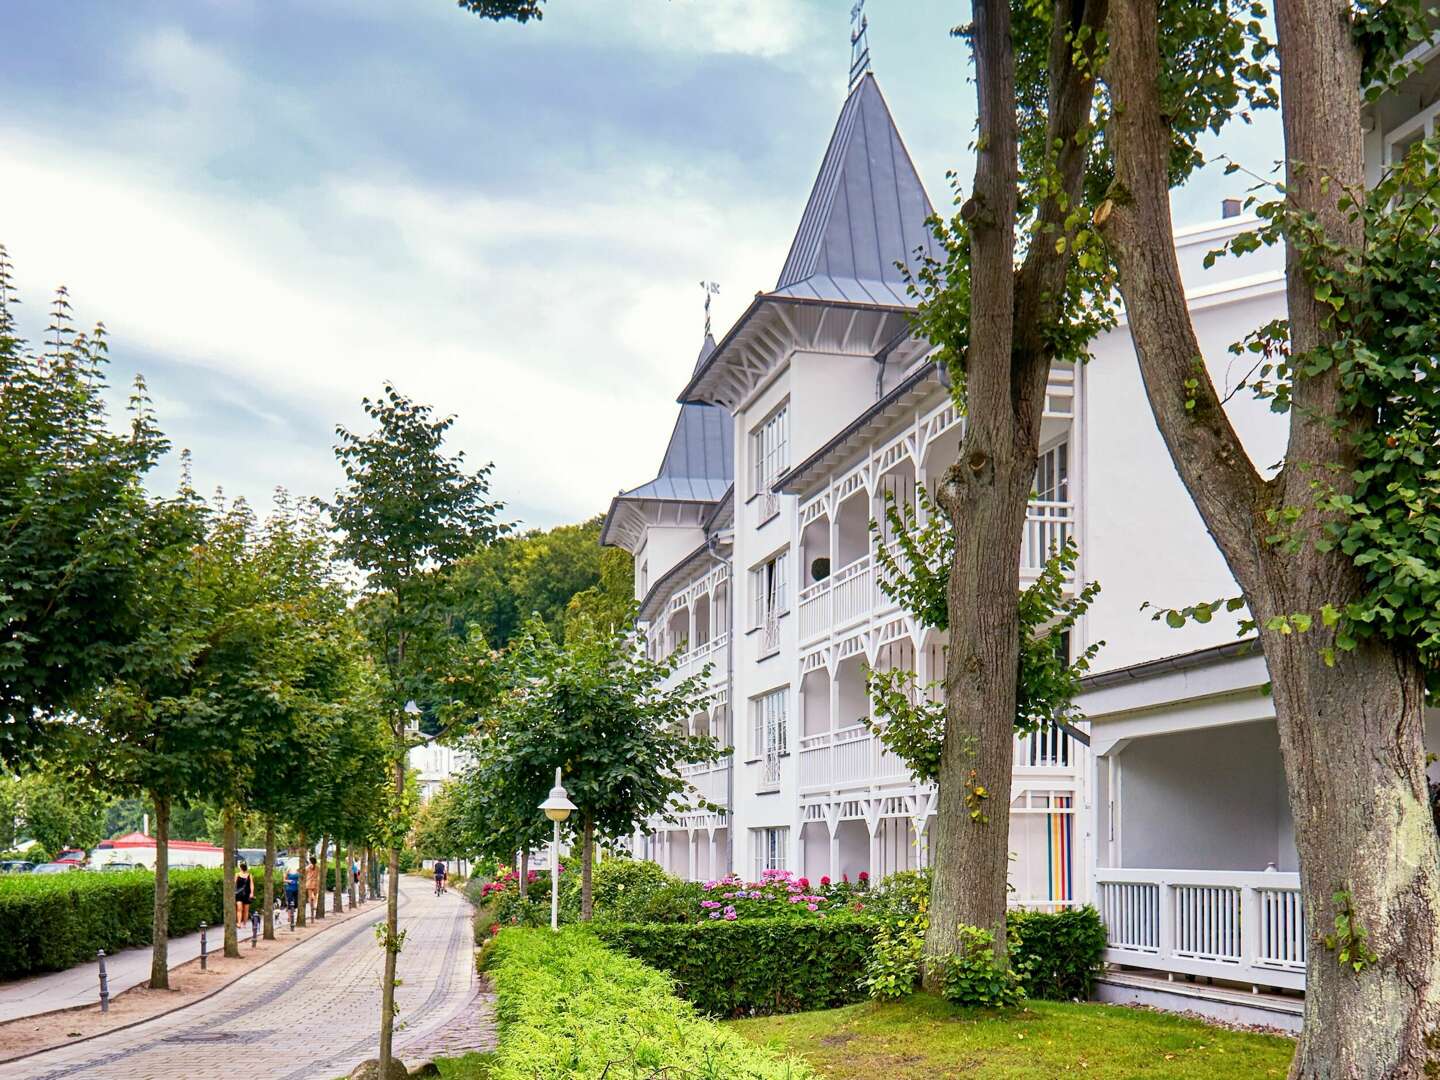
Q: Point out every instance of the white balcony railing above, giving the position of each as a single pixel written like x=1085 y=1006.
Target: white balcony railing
x=815 y=610
x=712 y=652
x=853 y=592
x=711 y=781
x=1242 y=925
x=1048 y=525
x=1048 y=747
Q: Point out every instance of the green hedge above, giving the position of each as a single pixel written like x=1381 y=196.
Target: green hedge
x=755 y=967
x=52 y=922
x=1057 y=955
x=568 y=1007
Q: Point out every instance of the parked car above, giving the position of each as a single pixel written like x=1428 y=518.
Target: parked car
x=16 y=866
x=185 y=866
x=71 y=855
x=119 y=867
x=55 y=868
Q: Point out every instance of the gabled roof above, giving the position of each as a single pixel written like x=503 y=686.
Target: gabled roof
x=866 y=211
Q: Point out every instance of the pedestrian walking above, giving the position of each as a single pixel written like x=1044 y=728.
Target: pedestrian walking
x=292 y=888
x=312 y=885
x=244 y=893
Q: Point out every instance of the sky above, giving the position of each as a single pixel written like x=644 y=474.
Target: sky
x=275 y=207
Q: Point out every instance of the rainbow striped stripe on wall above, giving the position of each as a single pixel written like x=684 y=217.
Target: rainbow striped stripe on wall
x=1059 y=841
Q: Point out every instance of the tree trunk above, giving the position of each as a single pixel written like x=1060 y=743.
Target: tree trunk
x=986 y=506
x=524 y=873
x=342 y=874
x=268 y=912
x=392 y=926
x=232 y=943
x=300 y=897
x=324 y=890
x=352 y=870
x=587 y=864
x=160 y=926
x=1351 y=735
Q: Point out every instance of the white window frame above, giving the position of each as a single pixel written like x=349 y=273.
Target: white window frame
x=770 y=734
x=1052 y=474
x=769 y=589
x=772 y=849
x=770 y=458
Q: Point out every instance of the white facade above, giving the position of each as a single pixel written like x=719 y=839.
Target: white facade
x=435 y=764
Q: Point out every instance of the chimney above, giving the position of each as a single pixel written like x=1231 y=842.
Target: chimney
x=1230 y=208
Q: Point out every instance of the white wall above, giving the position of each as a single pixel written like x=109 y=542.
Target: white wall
x=1142 y=538
x=1205 y=800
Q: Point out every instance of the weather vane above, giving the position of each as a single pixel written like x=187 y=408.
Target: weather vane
x=711 y=288
x=859 y=43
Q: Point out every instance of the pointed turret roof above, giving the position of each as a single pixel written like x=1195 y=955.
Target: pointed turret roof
x=866 y=211
x=699 y=462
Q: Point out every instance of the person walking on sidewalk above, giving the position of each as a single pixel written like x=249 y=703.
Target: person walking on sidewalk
x=244 y=893
x=312 y=885
x=292 y=888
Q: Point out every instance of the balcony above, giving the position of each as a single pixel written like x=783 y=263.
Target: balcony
x=1048 y=526
x=1240 y=925
x=710 y=780
x=714 y=652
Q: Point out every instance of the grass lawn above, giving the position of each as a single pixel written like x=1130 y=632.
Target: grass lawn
x=925 y=1036
x=469 y=1067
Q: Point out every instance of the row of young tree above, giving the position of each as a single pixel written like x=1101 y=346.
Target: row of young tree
x=184 y=651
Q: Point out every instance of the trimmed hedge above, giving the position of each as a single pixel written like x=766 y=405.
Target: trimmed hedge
x=568 y=1007
x=54 y=921
x=1057 y=955
x=758 y=966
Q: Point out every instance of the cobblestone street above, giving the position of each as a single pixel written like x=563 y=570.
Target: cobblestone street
x=311 y=1013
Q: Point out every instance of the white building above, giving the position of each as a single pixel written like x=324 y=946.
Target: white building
x=753 y=551
x=434 y=763
x=1170 y=811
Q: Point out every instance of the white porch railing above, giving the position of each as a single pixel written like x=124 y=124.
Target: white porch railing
x=1242 y=925
x=1047 y=526
x=853 y=591
x=767 y=505
x=849 y=757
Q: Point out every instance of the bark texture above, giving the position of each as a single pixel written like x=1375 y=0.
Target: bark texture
x=160 y=948
x=392 y=920
x=227 y=830
x=987 y=490
x=324 y=869
x=268 y=911
x=1352 y=734
x=524 y=873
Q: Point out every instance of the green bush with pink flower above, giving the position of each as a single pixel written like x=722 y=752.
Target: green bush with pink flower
x=779 y=894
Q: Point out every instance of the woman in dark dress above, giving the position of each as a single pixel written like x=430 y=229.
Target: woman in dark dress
x=244 y=893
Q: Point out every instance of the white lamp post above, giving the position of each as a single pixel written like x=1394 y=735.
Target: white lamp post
x=557 y=808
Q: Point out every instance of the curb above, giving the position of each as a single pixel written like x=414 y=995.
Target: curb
x=168 y=1012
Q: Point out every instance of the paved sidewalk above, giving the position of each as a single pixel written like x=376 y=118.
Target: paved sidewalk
x=311 y=1013
x=128 y=968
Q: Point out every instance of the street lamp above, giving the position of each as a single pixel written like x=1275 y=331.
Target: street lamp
x=557 y=808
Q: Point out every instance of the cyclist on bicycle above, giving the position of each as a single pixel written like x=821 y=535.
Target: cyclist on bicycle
x=442 y=875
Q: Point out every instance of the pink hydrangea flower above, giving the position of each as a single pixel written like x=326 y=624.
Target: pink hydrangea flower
x=813 y=907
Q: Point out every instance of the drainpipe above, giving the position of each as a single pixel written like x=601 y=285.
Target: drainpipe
x=883 y=356
x=711 y=543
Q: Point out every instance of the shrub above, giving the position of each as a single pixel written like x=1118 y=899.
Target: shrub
x=893 y=970
x=1057 y=955
x=756 y=966
x=621 y=888
x=55 y=921
x=568 y=1007
x=972 y=978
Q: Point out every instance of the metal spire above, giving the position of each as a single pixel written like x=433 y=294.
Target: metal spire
x=859 y=43
x=711 y=288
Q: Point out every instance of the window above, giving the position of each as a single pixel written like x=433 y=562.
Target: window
x=1052 y=475
x=770 y=448
x=767 y=590
x=770 y=845
x=769 y=734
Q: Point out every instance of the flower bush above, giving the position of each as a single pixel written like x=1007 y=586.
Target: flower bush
x=779 y=894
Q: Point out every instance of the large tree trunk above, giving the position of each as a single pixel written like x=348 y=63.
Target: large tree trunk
x=301 y=898
x=323 y=891
x=342 y=874
x=1351 y=735
x=268 y=911
x=392 y=927
x=232 y=943
x=587 y=867
x=160 y=925
x=986 y=506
